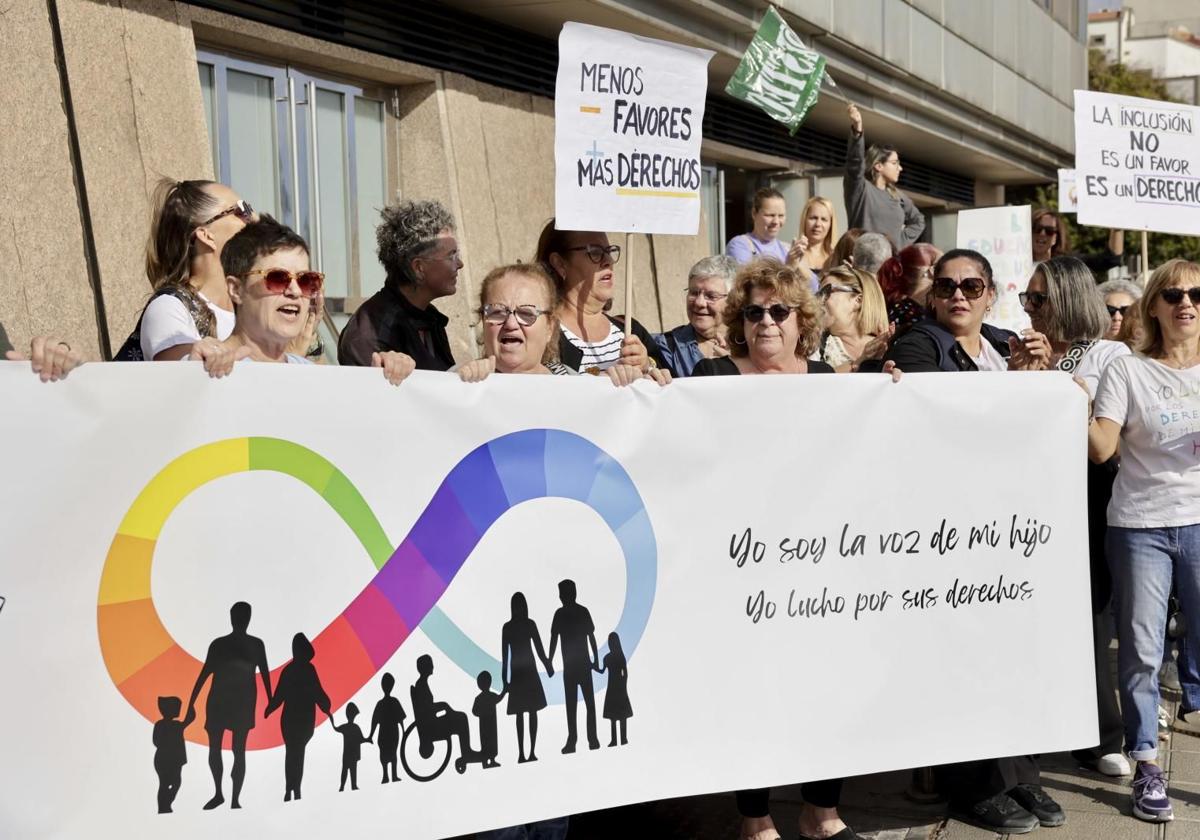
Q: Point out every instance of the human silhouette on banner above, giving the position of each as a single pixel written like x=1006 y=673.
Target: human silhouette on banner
x=520 y=641
x=231 y=662
x=573 y=624
x=170 y=751
x=300 y=693
x=435 y=720
x=388 y=719
x=352 y=741
x=485 y=709
x=616 y=699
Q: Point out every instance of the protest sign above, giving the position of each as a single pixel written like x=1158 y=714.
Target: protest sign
x=161 y=532
x=627 y=126
x=1068 y=199
x=1004 y=236
x=1137 y=162
x=778 y=73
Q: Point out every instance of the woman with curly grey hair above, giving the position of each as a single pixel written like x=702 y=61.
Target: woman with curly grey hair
x=418 y=249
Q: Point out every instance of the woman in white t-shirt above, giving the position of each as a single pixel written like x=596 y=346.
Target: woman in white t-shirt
x=192 y=222
x=1149 y=405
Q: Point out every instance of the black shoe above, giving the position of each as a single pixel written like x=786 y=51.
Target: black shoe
x=845 y=834
x=1037 y=802
x=1000 y=813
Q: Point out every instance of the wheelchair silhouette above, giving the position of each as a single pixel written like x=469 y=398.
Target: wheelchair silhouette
x=425 y=760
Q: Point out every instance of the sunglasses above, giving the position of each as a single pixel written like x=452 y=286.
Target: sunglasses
x=1046 y=230
x=1034 y=300
x=828 y=290
x=497 y=313
x=241 y=209
x=754 y=313
x=1113 y=310
x=279 y=280
x=597 y=253
x=1175 y=296
x=972 y=287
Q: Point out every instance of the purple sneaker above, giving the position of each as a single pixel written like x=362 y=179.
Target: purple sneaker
x=1150 y=800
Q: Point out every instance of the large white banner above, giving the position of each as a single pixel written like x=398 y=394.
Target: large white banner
x=1137 y=163
x=1004 y=236
x=627 y=124
x=782 y=578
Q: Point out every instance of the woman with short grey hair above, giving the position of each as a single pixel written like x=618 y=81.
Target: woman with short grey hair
x=703 y=337
x=1118 y=296
x=418 y=250
x=1065 y=305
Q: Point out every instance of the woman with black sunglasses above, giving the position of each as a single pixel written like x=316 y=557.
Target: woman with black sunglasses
x=1119 y=297
x=1052 y=238
x=1148 y=405
x=581 y=265
x=1003 y=794
x=192 y=222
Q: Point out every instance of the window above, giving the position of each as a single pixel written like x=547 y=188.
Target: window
x=1096 y=41
x=712 y=201
x=310 y=151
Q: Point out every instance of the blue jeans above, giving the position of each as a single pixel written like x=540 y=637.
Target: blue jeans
x=555 y=829
x=1144 y=561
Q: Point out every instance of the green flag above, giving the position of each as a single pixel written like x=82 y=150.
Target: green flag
x=778 y=73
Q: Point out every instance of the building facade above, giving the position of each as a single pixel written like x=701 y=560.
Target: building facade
x=321 y=112
x=1160 y=36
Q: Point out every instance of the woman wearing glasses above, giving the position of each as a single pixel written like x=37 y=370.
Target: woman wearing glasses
x=905 y=280
x=1148 y=405
x=855 y=315
x=1119 y=298
x=1051 y=238
x=192 y=222
x=703 y=337
x=520 y=326
x=581 y=265
x=269 y=280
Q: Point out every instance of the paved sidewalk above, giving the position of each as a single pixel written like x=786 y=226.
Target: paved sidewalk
x=1098 y=807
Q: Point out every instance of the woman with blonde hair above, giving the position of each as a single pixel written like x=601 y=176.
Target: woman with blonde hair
x=855 y=319
x=818 y=233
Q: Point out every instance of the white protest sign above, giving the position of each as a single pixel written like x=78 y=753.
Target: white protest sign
x=1003 y=235
x=1137 y=162
x=1068 y=199
x=627 y=124
x=141 y=503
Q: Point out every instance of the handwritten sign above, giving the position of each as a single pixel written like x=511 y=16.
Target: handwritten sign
x=627 y=128
x=1068 y=198
x=1137 y=163
x=1004 y=236
x=249 y=544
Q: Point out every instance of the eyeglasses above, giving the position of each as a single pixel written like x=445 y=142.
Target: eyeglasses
x=1113 y=310
x=1175 y=296
x=1046 y=230
x=597 y=253
x=711 y=297
x=1034 y=300
x=497 y=313
x=828 y=289
x=241 y=209
x=972 y=287
x=279 y=280
x=452 y=257
x=754 y=313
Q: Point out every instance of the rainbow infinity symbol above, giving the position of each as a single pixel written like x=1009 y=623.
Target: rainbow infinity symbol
x=144 y=661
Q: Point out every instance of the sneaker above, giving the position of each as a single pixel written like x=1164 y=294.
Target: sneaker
x=1000 y=813
x=1187 y=722
x=1164 y=719
x=1150 y=800
x=1036 y=801
x=1168 y=676
x=1113 y=764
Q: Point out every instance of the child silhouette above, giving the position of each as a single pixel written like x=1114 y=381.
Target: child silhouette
x=352 y=741
x=170 y=753
x=388 y=718
x=485 y=709
x=616 y=699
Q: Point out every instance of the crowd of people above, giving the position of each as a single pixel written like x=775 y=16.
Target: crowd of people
x=230 y=285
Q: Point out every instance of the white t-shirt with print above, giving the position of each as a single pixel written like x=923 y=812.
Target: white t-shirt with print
x=167 y=323
x=1158 y=485
x=1096 y=360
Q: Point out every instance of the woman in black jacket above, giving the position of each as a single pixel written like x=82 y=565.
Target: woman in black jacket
x=581 y=264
